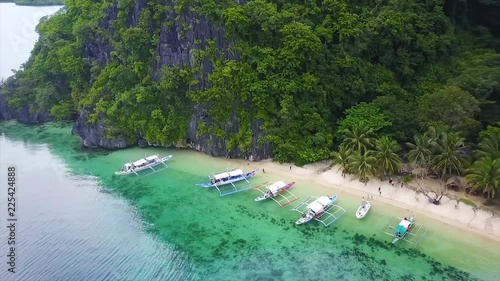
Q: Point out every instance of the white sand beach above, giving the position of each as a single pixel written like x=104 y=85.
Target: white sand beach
x=459 y=215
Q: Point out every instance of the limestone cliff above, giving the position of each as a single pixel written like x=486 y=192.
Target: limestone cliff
x=22 y=115
x=176 y=47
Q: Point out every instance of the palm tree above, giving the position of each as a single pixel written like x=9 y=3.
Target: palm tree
x=484 y=174
x=358 y=139
x=489 y=147
x=386 y=154
x=341 y=158
x=364 y=165
x=420 y=152
x=450 y=156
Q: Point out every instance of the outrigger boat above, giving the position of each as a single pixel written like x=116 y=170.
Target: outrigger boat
x=229 y=178
x=402 y=229
x=278 y=192
x=363 y=209
x=321 y=209
x=144 y=164
x=406 y=230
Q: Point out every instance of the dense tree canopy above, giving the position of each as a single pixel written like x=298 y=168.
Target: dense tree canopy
x=309 y=72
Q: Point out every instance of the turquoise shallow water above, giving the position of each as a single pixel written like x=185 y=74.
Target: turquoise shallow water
x=163 y=227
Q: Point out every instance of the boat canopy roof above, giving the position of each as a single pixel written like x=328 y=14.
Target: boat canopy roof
x=152 y=157
x=277 y=185
x=324 y=200
x=405 y=223
x=315 y=206
x=140 y=162
x=236 y=172
x=232 y=173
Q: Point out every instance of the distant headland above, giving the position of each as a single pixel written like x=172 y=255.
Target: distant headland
x=34 y=2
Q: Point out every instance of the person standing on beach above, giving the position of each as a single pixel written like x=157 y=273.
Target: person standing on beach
x=379 y=192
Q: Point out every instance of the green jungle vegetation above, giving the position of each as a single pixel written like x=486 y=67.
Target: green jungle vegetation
x=34 y=2
x=369 y=83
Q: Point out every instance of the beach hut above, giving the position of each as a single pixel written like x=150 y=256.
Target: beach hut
x=453 y=183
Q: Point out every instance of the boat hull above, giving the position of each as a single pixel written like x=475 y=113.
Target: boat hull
x=303 y=220
x=395 y=240
x=146 y=167
x=363 y=210
x=238 y=179
x=262 y=198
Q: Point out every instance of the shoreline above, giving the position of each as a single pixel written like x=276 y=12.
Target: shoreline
x=479 y=222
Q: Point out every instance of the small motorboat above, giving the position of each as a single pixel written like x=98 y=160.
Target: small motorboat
x=363 y=209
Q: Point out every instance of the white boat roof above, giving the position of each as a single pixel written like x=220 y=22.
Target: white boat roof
x=140 y=162
x=152 y=157
x=405 y=223
x=232 y=173
x=315 y=206
x=236 y=172
x=277 y=185
x=323 y=200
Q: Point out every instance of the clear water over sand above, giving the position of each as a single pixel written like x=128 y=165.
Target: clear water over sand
x=233 y=237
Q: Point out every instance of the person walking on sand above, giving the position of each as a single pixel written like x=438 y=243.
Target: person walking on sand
x=379 y=192
x=290 y=168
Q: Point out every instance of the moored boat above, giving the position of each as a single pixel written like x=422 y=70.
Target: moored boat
x=402 y=229
x=363 y=209
x=143 y=164
x=274 y=189
x=228 y=177
x=316 y=208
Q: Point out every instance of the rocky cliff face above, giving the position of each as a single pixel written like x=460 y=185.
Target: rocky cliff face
x=22 y=115
x=4 y=108
x=94 y=135
x=177 y=46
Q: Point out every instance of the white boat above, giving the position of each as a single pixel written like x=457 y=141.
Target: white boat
x=225 y=182
x=274 y=189
x=228 y=177
x=363 y=209
x=316 y=208
x=143 y=164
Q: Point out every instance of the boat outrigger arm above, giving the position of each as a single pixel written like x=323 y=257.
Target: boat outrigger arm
x=415 y=235
x=240 y=176
x=279 y=192
x=331 y=214
x=219 y=187
x=161 y=160
x=154 y=171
